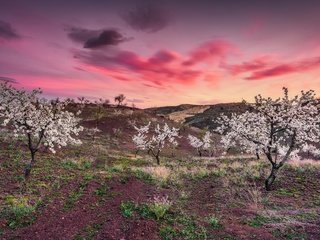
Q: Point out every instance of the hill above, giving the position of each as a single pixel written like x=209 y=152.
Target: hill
x=103 y=190
x=199 y=116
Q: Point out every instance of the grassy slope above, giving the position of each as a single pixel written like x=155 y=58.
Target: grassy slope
x=101 y=190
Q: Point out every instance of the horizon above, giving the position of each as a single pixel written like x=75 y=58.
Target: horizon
x=161 y=53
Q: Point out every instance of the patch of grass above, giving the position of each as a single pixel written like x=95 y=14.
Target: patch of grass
x=289 y=233
x=257 y=221
x=146 y=177
x=86 y=165
x=144 y=211
x=168 y=233
x=91 y=231
x=159 y=207
x=127 y=209
x=68 y=164
x=309 y=216
x=101 y=191
x=74 y=196
x=190 y=229
x=287 y=192
x=18 y=211
x=214 y=222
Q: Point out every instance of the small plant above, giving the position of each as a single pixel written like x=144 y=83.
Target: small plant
x=168 y=233
x=257 y=221
x=127 y=209
x=101 y=191
x=19 y=211
x=69 y=164
x=254 y=196
x=160 y=206
x=214 y=222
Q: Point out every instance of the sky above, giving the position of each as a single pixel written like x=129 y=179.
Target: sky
x=162 y=52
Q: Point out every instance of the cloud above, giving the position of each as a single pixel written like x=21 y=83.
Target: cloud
x=8 y=80
x=248 y=66
x=147 y=17
x=164 y=68
x=285 y=68
x=124 y=65
x=213 y=50
x=96 y=38
x=7 y=31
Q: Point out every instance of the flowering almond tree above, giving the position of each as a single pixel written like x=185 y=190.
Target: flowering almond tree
x=203 y=144
x=156 y=142
x=281 y=129
x=43 y=122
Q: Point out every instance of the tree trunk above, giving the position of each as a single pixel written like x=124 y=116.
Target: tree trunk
x=28 y=168
x=200 y=154
x=269 y=181
x=257 y=154
x=158 y=159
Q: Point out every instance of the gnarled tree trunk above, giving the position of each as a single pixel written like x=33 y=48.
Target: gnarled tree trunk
x=273 y=174
x=28 y=168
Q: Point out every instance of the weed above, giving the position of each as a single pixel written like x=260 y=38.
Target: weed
x=214 y=222
x=160 y=206
x=74 y=196
x=19 y=211
x=287 y=192
x=68 y=164
x=101 y=191
x=289 y=233
x=168 y=233
x=257 y=221
x=144 y=176
x=127 y=209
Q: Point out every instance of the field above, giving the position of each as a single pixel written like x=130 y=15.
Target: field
x=103 y=190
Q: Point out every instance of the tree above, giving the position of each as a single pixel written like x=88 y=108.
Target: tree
x=43 y=122
x=99 y=113
x=203 y=144
x=106 y=103
x=281 y=129
x=156 y=142
x=120 y=99
x=82 y=100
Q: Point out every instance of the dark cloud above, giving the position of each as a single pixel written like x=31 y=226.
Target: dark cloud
x=96 y=38
x=8 y=80
x=7 y=31
x=148 y=18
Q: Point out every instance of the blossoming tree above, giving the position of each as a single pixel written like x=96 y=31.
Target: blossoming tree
x=281 y=129
x=203 y=144
x=154 y=143
x=43 y=122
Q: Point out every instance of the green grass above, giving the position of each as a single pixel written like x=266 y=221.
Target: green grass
x=19 y=212
x=127 y=209
x=257 y=221
x=214 y=222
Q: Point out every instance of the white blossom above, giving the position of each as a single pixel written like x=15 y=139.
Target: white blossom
x=203 y=144
x=42 y=121
x=281 y=129
x=157 y=141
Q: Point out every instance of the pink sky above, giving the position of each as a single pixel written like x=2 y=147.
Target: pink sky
x=161 y=54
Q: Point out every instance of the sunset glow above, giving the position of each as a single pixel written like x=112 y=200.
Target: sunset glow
x=161 y=52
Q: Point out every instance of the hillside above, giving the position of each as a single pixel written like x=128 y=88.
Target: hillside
x=199 y=116
x=102 y=189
